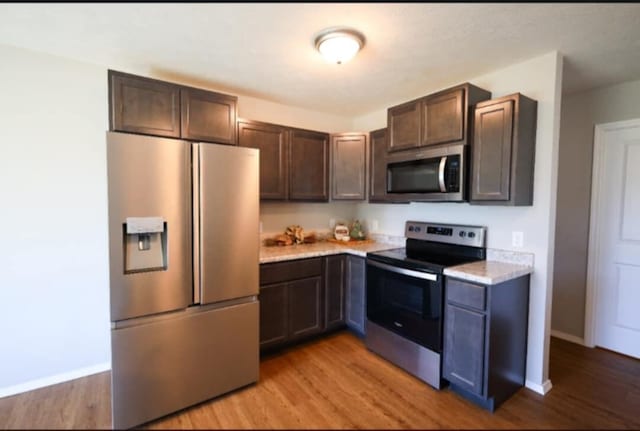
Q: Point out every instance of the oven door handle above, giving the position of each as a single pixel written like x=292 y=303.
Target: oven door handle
x=403 y=271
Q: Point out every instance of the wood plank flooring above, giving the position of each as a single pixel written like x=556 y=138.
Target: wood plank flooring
x=334 y=382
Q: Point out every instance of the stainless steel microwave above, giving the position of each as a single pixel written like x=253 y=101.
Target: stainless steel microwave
x=434 y=174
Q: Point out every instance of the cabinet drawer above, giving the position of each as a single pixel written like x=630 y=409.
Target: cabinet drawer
x=291 y=270
x=467 y=294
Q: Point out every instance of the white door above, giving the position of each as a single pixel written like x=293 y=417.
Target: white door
x=616 y=213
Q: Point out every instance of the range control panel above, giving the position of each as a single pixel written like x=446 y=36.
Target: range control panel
x=474 y=236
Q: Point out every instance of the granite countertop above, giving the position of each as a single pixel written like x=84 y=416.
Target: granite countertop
x=488 y=271
x=322 y=248
x=500 y=266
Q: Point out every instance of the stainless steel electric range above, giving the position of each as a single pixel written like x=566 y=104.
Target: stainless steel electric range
x=405 y=294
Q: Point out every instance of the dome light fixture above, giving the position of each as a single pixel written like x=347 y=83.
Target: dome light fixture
x=339 y=45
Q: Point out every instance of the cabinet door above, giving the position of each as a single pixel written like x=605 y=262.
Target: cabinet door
x=334 y=281
x=208 y=116
x=348 y=166
x=491 y=161
x=273 y=314
x=403 y=122
x=464 y=341
x=355 y=297
x=378 y=166
x=443 y=118
x=308 y=166
x=271 y=140
x=143 y=105
x=305 y=307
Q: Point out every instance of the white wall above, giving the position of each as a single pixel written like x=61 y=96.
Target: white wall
x=275 y=217
x=54 y=287
x=539 y=78
x=580 y=113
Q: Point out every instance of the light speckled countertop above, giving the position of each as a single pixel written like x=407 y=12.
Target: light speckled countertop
x=485 y=271
x=488 y=271
x=303 y=251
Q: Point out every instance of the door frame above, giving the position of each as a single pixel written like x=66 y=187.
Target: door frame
x=593 y=252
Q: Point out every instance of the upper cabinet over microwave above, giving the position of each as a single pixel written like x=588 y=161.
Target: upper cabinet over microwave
x=439 y=118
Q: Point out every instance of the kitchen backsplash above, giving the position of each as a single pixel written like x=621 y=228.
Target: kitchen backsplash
x=276 y=216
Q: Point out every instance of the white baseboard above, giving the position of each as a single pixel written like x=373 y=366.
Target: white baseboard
x=542 y=389
x=567 y=337
x=52 y=380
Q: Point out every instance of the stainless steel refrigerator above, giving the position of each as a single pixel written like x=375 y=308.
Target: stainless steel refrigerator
x=184 y=262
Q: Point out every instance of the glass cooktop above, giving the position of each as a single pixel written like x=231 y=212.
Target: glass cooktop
x=435 y=262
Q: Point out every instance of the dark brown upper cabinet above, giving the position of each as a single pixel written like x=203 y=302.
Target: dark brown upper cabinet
x=439 y=118
x=503 y=157
x=152 y=107
x=378 y=166
x=143 y=105
x=272 y=141
x=208 y=116
x=349 y=166
x=308 y=165
x=403 y=122
x=443 y=118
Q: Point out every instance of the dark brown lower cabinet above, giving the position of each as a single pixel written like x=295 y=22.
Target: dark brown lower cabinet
x=302 y=298
x=465 y=347
x=334 y=290
x=485 y=339
x=273 y=315
x=355 y=295
x=305 y=303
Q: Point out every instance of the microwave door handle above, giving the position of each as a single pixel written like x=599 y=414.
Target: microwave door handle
x=443 y=164
x=403 y=271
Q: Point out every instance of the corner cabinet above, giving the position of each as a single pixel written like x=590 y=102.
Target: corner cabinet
x=334 y=290
x=349 y=153
x=439 y=118
x=308 y=166
x=153 y=107
x=355 y=294
x=273 y=142
x=503 y=154
x=485 y=339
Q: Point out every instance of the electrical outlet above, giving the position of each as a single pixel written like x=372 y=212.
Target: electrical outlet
x=332 y=223
x=374 y=225
x=517 y=239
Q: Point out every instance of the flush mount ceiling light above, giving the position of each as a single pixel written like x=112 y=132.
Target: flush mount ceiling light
x=339 y=45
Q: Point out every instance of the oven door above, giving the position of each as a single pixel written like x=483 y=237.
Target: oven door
x=406 y=301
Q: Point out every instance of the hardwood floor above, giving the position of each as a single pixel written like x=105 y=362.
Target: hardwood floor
x=334 y=382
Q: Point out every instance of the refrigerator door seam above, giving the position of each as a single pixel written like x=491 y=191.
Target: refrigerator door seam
x=195 y=163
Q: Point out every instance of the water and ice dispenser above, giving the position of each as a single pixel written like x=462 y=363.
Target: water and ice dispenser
x=145 y=244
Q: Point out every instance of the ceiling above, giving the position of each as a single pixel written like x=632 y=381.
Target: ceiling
x=267 y=51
